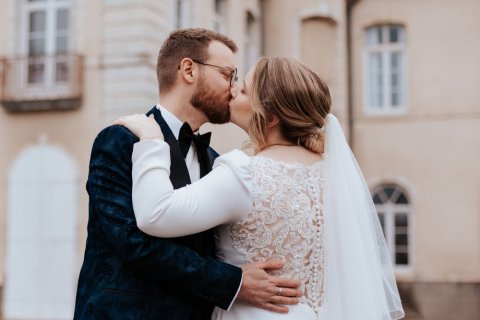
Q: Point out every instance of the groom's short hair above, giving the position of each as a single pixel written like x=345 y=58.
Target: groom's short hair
x=185 y=43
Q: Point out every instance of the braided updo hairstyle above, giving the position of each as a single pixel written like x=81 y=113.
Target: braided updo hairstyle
x=289 y=90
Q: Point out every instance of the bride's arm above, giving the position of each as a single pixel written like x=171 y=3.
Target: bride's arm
x=218 y=198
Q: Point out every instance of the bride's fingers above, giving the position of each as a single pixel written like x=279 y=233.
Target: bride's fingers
x=119 y=121
x=128 y=119
x=123 y=119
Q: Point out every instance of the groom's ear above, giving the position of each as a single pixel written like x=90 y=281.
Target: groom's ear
x=187 y=70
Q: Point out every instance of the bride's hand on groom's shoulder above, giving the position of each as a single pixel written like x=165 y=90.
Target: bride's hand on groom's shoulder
x=265 y=291
x=143 y=127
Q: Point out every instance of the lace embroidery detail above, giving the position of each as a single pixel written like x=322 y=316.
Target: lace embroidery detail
x=286 y=222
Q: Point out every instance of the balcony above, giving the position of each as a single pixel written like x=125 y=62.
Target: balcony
x=38 y=83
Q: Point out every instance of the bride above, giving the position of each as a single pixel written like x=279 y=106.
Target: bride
x=301 y=198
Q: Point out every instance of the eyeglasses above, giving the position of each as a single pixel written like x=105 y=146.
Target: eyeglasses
x=233 y=71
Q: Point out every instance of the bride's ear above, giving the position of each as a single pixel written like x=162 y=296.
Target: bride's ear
x=273 y=122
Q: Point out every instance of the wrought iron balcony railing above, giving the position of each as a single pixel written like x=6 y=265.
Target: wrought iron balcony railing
x=34 y=83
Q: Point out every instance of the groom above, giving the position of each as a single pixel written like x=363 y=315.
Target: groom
x=127 y=274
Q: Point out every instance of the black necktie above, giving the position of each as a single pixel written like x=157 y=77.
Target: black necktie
x=186 y=137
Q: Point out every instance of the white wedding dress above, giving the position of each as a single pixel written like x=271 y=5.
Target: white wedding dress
x=276 y=206
x=269 y=208
x=286 y=222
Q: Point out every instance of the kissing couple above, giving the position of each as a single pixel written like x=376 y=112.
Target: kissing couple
x=176 y=231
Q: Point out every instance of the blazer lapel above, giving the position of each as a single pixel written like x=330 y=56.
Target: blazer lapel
x=178 y=169
x=208 y=243
x=204 y=242
x=206 y=163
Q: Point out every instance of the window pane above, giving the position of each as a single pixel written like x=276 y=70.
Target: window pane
x=401 y=258
x=376 y=199
x=395 y=99
x=375 y=80
x=396 y=78
x=401 y=220
x=381 y=218
x=395 y=34
x=389 y=191
x=61 y=74
x=220 y=6
x=36 y=71
x=401 y=239
x=374 y=35
x=379 y=32
x=36 y=47
x=178 y=13
x=62 y=19
x=37 y=21
x=402 y=199
x=62 y=44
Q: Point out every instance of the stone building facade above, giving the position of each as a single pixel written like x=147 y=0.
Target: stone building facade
x=403 y=77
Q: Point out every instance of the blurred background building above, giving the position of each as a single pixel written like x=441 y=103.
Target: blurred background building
x=404 y=76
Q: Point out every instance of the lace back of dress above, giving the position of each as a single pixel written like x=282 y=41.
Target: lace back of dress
x=286 y=222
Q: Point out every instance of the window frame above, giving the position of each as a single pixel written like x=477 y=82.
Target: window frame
x=219 y=21
x=181 y=13
x=389 y=209
x=51 y=8
x=386 y=50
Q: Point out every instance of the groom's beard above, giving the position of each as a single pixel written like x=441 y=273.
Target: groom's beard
x=215 y=106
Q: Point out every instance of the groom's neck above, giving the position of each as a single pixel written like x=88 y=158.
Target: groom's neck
x=181 y=107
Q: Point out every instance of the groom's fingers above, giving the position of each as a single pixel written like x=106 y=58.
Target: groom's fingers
x=289 y=293
x=274 y=308
x=286 y=283
x=284 y=300
x=272 y=264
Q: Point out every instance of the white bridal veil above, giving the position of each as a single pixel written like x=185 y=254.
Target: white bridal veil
x=359 y=278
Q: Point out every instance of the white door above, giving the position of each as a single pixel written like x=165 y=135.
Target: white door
x=41 y=235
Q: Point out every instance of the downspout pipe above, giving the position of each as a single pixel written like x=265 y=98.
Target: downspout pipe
x=349 y=8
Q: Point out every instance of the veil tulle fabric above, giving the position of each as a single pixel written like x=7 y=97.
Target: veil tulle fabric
x=359 y=278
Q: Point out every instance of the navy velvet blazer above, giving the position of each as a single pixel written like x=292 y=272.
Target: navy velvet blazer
x=127 y=274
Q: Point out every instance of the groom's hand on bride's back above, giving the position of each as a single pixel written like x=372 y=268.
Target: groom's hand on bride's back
x=265 y=291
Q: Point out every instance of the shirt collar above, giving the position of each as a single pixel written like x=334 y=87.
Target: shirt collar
x=172 y=121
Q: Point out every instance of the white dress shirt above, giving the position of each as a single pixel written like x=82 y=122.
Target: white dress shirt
x=191 y=159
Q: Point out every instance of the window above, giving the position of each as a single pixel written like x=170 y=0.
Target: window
x=181 y=14
x=220 y=14
x=46 y=41
x=393 y=207
x=252 y=41
x=385 y=69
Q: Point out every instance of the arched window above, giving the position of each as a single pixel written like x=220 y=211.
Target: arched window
x=385 y=69
x=393 y=207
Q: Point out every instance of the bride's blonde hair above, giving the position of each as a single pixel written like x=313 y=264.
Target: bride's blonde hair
x=289 y=90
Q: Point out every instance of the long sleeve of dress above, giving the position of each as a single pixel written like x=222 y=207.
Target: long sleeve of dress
x=220 y=197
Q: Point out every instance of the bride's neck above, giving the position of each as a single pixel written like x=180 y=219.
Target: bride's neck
x=275 y=138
